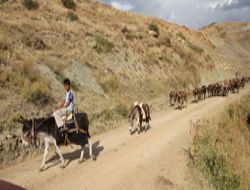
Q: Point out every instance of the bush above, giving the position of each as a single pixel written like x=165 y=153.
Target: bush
x=125 y=30
x=72 y=16
x=180 y=35
x=122 y=109
x=75 y=85
x=219 y=148
x=154 y=28
x=30 y=4
x=3 y=1
x=70 y=4
x=103 y=45
x=37 y=93
x=214 y=164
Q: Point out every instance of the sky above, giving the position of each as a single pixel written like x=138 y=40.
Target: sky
x=191 y=13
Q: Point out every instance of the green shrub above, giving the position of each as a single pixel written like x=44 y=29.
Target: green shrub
x=180 y=35
x=30 y=4
x=103 y=45
x=37 y=93
x=75 y=85
x=213 y=159
x=70 y=4
x=72 y=16
x=214 y=163
x=154 y=28
x=122 y=109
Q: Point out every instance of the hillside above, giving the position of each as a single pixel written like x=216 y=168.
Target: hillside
x=233 y=44
x=110 y=57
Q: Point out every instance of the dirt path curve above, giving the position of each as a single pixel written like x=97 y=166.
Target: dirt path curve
x=156 y=159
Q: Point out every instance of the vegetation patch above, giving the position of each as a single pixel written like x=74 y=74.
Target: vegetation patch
x=151 y=59
x=70 y=4
x=37 y=93
x=33 y=41
x=195 y=48
x=111 y=85
x=122 y=109
x=214 y=163
x=4 y=42
x=31 y=4
x=3 y=1
x=219 y=148
x=72 y=16
x=74 y=84
x=165 y=41
x=180 y=35
x=103 y=45
x=154 y=27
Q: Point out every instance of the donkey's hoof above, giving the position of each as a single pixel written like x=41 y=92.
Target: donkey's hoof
x=93 y=157
x=62 y=166
x=41 y=170
x=80 y=161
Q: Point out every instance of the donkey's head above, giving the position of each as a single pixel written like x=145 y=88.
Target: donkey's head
x=28 y=131
x=134 y=114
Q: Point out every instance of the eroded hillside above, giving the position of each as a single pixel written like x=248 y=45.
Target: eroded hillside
x=109 y=55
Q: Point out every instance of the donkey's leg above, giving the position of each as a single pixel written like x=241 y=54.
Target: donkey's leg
x=90 y=150
x=138 y=125
x=130 y=128
x=46 y=149
x=59 y=152
x=82 y=153
x=147 y=125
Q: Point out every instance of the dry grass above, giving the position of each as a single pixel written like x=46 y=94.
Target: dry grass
x=37 y=93
x=126 y=62
x=38 y=49
x=221 y=148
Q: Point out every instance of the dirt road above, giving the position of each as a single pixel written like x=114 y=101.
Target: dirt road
x=156 y=159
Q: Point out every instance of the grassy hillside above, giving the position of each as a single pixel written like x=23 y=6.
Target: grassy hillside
x=232 y=42
x=221 y=148
x=109 y=55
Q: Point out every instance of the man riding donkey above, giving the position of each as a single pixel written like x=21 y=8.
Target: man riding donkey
x=67 y=108
x=63 y=128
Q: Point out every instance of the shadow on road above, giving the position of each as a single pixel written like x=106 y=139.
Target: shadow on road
x=71 y=156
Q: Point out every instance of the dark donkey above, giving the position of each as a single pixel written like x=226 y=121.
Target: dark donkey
x=139 y=114
x=53 y=135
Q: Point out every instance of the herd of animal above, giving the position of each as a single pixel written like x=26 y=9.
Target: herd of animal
x=139 y=114
x=221 y=88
